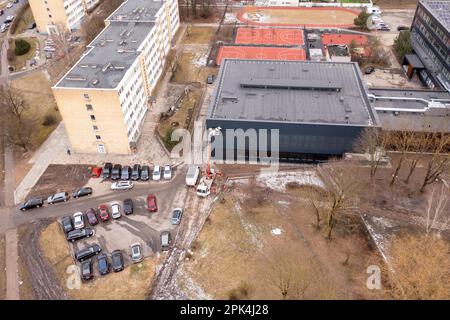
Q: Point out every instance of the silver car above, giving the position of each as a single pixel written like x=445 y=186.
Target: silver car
x=136 y=252
x=58 y=197
x=115 y=210
x=78 y=220
x=177 y=213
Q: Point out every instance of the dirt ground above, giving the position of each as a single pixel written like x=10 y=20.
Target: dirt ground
x=396 y=4
x=192 y=68
x=61 y=178
x=260 y=229
x=132 y=283
x=299 y=16
x=198 y=35
x=2 y=268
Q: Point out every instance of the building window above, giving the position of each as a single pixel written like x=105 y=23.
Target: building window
x=101 y=148
x=98 y=137
x=89 y=107
x=95 y=128
x=92 y=117
x=86 y=96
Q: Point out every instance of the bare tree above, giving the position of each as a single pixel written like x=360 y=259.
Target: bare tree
x=19 y=124
x=401 y=141
x=373 y=142
x=419 y=268
x=439 y=162
x=437 y=214
x=340 y=201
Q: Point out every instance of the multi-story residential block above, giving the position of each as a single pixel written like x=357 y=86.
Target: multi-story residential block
x=105 y=97
x=430 y=39
x=52 y=15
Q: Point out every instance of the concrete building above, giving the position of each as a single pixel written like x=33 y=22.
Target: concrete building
x=319 y=108
x=430 y=39
x=52 y=15
x=105 y=97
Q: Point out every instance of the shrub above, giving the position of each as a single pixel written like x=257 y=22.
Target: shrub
x=239 y=293
x=49 y=120
x=402 y=44
x=361 y=20
x=21 y=47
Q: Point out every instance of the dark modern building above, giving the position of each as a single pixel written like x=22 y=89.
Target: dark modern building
x=430 y=39
x=319 y=108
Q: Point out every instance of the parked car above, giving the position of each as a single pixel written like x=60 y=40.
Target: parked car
x=91 y=216
x=88 y=252
x=67 y=224
x=103 y=212
x=78 y=234
x=151 y=203
x=32 y=203
x=167 y=173
x=136 y=252
x=156 y=175
x=3 y=28
x=86 y=270
x=9 y=5
x=165 y=240
x=192 y=175
x=402 y=28
x=121 y=185
x=58 y=197
x=117 y=261
x=369 y=70
x=126 y=173
x=136 y=172
x=49 y=49
x=145 y=173
x=106 y=170
x=9 y=19
x=81 y=192
x=115 y=210
x=2 y=12
x=49 y=42
x=128 y=206
x=103 y=264
x=210 y=79
x=115 y=173
x=96 y=172
x=177 y=213
x=78 y=220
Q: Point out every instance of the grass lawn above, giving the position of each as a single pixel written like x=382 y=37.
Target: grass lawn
x=198 y=35
x=25 y=22
x=20 y=62
x=37 y=93
x=132 y=283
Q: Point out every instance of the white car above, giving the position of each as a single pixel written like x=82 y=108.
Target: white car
x=49 y=49
x=9 y=5
x=115 y=210
x=78 y=220
x=121 y=185
x=156 y=173
x=167 y=173
x=136 y=252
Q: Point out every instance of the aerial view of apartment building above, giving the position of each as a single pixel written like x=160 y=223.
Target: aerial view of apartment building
x=105 y=97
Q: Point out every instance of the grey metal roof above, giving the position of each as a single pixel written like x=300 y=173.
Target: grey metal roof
x=440 y=10
x=279 y=91
x=112 y=53
x=414 y=60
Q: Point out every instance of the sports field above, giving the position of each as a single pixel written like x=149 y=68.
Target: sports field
x=260 y=53
x=344 y=39
x=270 y=36
x=292 y=16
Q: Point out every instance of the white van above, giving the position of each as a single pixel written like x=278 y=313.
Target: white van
x=374 y=10
x=192 y=175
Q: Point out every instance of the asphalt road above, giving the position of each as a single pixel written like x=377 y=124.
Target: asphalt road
x=81 y=204
x=12 y=11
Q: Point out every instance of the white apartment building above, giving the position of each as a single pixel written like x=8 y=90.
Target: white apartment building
x=105 y=97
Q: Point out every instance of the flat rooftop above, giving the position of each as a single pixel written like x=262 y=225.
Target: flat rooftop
x=440 y=10
x=109 y=56
x=292 y=91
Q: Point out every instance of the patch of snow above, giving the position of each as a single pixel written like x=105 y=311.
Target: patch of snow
x=284 y=203
x=200 y=60
x=384 y=222
x=276 y=232
x=230 y=18
x=278 y=181
x=251 y=230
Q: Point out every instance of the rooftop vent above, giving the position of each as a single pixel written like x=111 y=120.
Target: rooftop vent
x=95 y=81
x=75 y=78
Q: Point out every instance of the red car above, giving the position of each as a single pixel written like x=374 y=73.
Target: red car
x=91 y=216
x=151 y=203
x=103 y=212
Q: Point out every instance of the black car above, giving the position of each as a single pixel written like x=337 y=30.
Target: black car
x=145 y=173
x=128 y=206
x=136 y=172
x=67 y=224
x=210 y=79
x=402 y=28
x=126 y=173
x=86 y=270
x=81 y=192
x=369 y=70
x=88 y=252
x=106 y=170
x=117 y=261
x=79 y=234
x=115 y=173
x=1 y=12
x=103 y=264
x=32 y=203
